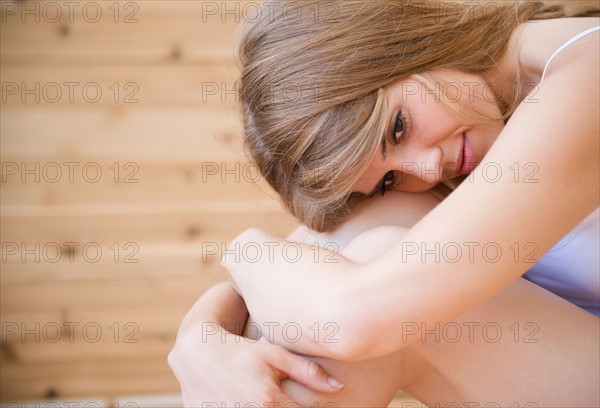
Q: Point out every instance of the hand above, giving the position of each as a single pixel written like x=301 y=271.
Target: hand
x=260 y=266
x=255 y=257
x=227 y=370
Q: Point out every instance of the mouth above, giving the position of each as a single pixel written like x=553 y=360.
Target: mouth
x=467 y=157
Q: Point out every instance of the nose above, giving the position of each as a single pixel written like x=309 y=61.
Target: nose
x=424 y=164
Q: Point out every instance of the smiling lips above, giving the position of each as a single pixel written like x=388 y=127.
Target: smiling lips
x=467 y=157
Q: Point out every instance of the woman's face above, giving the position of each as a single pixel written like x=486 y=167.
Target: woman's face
x=426 y=142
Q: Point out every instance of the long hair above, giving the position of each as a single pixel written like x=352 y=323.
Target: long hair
x=313 y=74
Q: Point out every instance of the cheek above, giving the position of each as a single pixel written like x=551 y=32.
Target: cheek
x=489 y=135
x=412 y=184
x=434 y=123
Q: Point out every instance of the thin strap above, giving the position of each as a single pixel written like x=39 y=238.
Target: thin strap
x=565 y=45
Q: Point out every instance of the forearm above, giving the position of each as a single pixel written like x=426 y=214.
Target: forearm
x=220 y=307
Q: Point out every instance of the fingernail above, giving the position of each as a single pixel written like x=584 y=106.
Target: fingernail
x=334 y=383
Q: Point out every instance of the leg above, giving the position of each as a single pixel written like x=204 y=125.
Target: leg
x=524 y=348
x=526 y=345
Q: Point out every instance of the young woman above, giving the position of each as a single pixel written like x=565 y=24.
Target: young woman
x=406 y=96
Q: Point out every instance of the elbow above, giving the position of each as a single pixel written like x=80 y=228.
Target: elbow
x=344 y=332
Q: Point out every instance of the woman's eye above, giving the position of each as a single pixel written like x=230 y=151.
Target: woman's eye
x=388 y=181
x=399 y=125
x=401 y=128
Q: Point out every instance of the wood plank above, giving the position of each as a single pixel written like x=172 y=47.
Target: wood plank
x=98 y=346
x=109 y=367
x=152 y=260
x=116 y=134
x=77 y=402
x=84 y=386
x=176 y=292
x=58 y=182
x=130 y=323
x=110 y=377
x=206 y=84
x=57 y=165
x=176 y=223
x=164 y=31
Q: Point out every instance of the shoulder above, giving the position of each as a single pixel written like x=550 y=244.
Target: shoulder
x=539 y=40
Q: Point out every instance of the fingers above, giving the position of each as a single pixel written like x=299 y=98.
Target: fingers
x=304 y=371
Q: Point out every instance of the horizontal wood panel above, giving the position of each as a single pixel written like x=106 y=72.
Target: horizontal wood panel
x=177 y=292
x=114 y=134
x=175 y=223
x=100 y=343
x=120 y=261
x=154 y=32
x=202 y=85
x=108 y=377
x=67 y=181
x=124 y=325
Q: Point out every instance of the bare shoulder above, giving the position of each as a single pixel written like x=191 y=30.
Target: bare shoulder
x=541 y=39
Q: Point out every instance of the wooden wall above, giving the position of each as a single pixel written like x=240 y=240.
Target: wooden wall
x=119 y=144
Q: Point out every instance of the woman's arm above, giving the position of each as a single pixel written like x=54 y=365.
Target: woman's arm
x=213 y=364
x=558 y=134
x=515 y=335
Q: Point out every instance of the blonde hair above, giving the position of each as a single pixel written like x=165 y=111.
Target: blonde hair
x=312 y=81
